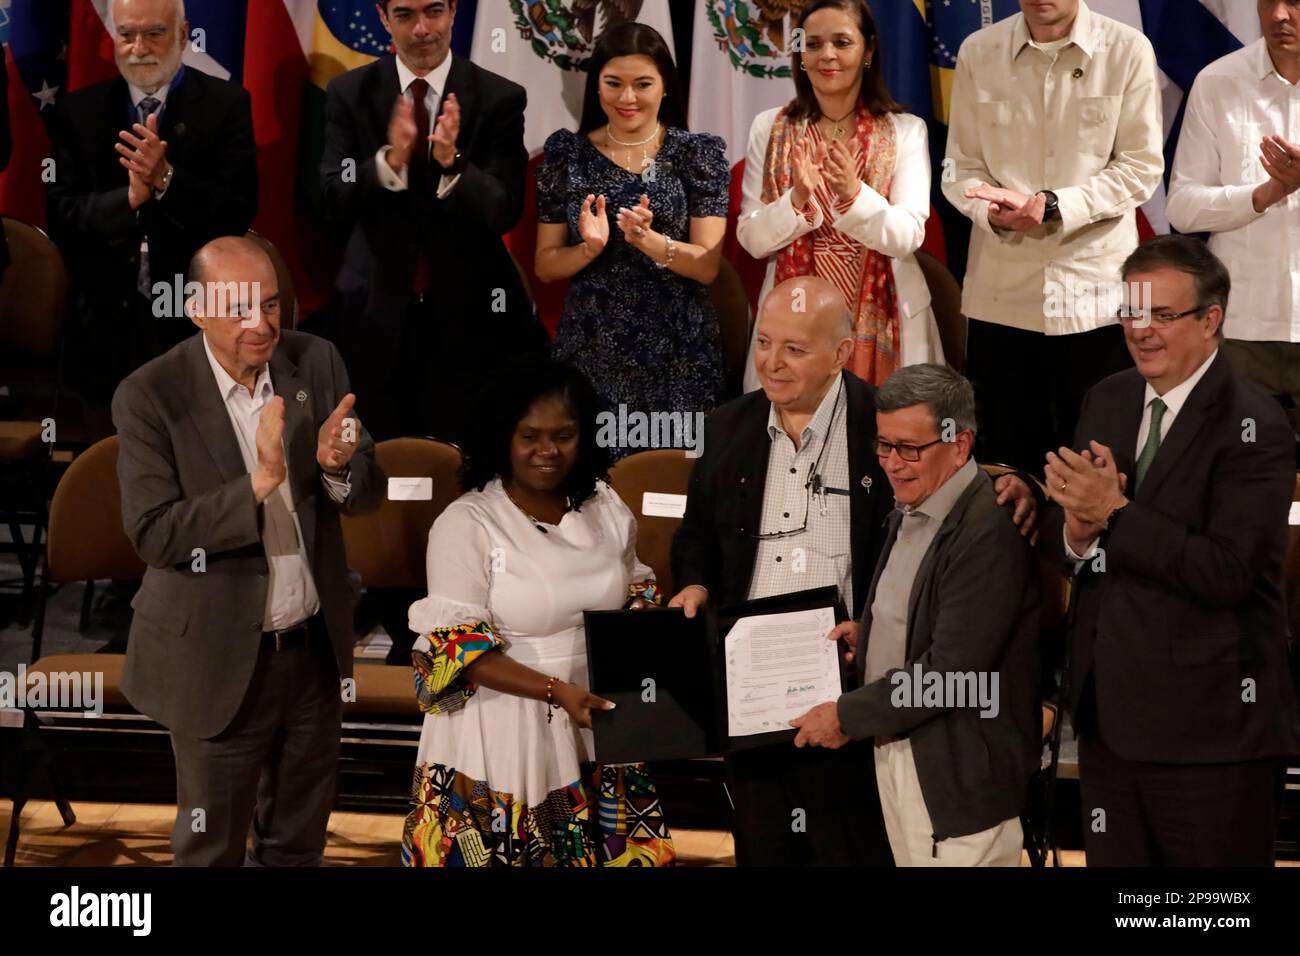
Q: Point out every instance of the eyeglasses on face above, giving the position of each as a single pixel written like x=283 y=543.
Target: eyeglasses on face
x=1140 y=317
x=905 y=451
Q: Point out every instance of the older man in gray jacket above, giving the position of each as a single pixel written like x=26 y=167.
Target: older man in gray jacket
x=947 y=646
x=238 y=452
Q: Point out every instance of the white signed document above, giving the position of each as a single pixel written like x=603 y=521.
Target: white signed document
x=779 y=666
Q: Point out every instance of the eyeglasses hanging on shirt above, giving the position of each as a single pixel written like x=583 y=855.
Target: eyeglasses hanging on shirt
x=814 y=486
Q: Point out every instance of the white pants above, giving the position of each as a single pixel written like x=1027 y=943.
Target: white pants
x=911 y=834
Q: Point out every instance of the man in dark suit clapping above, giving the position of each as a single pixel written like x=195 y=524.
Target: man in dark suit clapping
x=148 y=168
x=424 y=165
x=1173 y=516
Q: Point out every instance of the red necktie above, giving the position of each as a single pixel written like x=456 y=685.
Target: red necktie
x=419 y=171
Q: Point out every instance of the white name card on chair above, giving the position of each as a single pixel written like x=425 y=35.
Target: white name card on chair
x=1295 y=513
x=657 y=504
x=410 y=489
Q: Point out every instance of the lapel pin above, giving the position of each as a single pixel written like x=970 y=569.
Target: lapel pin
x=866 y=482
x=301 y=396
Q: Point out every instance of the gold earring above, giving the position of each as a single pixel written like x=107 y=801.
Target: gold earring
x=802 y=67
x=868 y=63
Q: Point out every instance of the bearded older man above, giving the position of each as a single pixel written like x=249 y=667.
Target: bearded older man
x=149 y=167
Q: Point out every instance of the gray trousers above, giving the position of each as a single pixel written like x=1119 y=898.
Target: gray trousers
x=274 y=767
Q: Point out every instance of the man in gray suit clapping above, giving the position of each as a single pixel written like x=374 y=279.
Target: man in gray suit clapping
x=238 y=452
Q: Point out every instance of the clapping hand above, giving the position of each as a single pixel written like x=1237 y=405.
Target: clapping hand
x=338 y=437
x=401 y=134
x=806 y=164
x=841 y=171
x=593 y=226
x=635 y=223
x=446 y=132
x=1009 y=209
x=1281 y=161
x=144 y=154
x=271 y=469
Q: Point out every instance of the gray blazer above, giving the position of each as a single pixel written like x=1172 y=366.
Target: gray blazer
x=973 y=607
x=195 y=634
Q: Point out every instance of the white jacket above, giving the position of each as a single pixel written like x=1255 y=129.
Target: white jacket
x=894 y=227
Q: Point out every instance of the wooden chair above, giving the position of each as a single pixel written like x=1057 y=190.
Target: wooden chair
x=735 y=322
x=33 y=296
x=945 y=299
x=662 y=470
x=86 y=541
x=387 y=548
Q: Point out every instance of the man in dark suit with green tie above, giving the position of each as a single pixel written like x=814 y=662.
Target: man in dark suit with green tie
x=1172 y=514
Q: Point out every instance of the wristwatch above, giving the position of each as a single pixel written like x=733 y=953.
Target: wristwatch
x=1052 y=209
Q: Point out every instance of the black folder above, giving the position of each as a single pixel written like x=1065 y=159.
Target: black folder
x=667 y=675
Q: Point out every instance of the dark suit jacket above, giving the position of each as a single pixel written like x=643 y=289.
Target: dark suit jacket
x=973 y=608
x=460 y=234
x=1189 y=605
x=715 y=545
x=195 y=635
x=208 y=127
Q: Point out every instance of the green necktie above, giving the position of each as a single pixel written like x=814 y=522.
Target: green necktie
x=1153 y=441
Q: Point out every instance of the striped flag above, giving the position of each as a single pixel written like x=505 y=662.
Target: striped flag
x=292 y=49
x=36 y=34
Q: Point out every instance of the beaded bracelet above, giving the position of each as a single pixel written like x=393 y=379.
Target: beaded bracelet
x=550 y=698
x=671 y=254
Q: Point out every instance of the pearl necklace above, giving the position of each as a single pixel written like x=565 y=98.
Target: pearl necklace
x=628 y=147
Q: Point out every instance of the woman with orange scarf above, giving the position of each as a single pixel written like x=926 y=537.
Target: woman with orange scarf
x=837 y=184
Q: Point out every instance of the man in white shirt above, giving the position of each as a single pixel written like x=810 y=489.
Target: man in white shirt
x=1235 y=176
x=1055 y=140
x=1172 y=512
x=238 y=452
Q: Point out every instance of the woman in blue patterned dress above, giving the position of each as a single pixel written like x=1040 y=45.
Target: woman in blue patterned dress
x=632 y=210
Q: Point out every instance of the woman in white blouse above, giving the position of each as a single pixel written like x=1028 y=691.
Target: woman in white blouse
x=504 y=773
x=837 y=184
